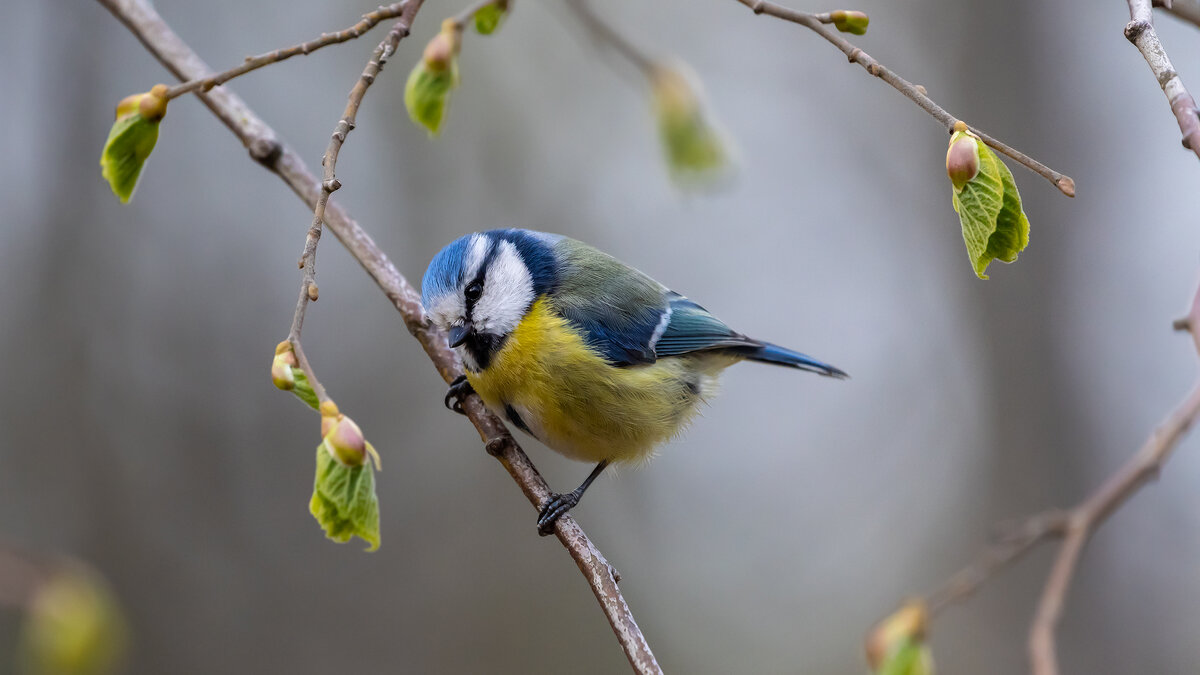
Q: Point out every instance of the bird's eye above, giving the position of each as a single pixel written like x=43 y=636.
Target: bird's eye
x=473 y=291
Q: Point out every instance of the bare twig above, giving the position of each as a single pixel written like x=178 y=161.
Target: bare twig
x=604 y=34
x=264 y=146
x=308 y=258
x=1140 y=31
x=1075 y=526
x=368 y=22
x=916 y=94
x=1011 y=545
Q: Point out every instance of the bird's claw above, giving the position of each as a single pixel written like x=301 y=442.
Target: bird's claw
x=555 y=508
x=459 y=389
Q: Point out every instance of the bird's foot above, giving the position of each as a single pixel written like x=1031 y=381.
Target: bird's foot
x=555 y=508
x=459 y=389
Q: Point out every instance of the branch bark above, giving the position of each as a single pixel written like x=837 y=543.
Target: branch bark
x=1140 y=31
x=916 y=94
x=265 y=147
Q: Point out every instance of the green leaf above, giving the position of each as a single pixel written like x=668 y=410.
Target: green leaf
x=695 y=149
x=911 y=658
x=74 y=627
x=303 y=390
x=344 y=501
x=488 y=18
x=994 y=225
x=130 y=142
x=427 y=94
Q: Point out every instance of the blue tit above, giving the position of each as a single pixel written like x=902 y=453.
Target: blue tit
x=589 y=356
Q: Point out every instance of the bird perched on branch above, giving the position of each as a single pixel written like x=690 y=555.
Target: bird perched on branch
x=584 y=353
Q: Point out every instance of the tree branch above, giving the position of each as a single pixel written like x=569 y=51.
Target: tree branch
x=140 y=17
x=1140 y=31
x=255 y=62
x=1075 y=526
x=308 y=258
x=916 y=94
x=604 y=34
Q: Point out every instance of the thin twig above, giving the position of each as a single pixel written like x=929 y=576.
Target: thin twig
x=1075 y=526
x=255 y=62
x=604 y=34
x=1140 y=31
x=1013 y=543
x=916 y=94
x=308 y=258
x=262 y=141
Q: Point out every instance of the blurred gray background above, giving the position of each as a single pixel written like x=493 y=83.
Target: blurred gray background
x=141 y=431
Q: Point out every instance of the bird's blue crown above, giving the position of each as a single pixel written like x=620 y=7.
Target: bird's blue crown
x=447 y=269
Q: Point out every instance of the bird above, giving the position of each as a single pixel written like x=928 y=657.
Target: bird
x=591 y=357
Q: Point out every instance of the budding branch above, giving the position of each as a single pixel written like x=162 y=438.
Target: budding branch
x=264 y=146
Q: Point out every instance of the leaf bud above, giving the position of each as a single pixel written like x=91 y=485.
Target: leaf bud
x=907 y=625
x=962 y=159
x=850 y=21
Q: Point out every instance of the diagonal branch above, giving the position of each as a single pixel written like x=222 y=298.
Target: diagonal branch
x=916 y=94
x=251 y=63
x=1140 y=31
x=261 y=140
x=1075 y=526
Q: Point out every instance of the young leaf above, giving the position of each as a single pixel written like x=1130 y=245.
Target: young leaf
x=427 y=92
x=74 y=627
x=488 y=18
x=910 y=658
x=344 y=500
x=696 y=151
x=303 y=390
x=131 y=140
x=994 y=225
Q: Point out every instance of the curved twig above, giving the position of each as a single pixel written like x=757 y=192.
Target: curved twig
x=308 y=258
x=1075 y=526
x=1063 y=182
x=1140 y=31
x=264 y=146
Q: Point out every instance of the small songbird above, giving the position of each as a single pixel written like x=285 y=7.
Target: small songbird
x=591 y=357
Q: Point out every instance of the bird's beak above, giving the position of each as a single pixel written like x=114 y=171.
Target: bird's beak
x=458 y=334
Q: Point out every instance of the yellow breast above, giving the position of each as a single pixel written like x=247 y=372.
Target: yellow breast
x=575 y=402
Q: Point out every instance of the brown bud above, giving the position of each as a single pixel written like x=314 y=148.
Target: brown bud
x=329 y=414
x=153 y=106
x=962 y=159
x=313 y=293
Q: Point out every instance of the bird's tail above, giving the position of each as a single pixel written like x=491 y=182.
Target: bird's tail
x=769 y=353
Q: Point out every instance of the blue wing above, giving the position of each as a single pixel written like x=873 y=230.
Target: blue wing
x=692 y=329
